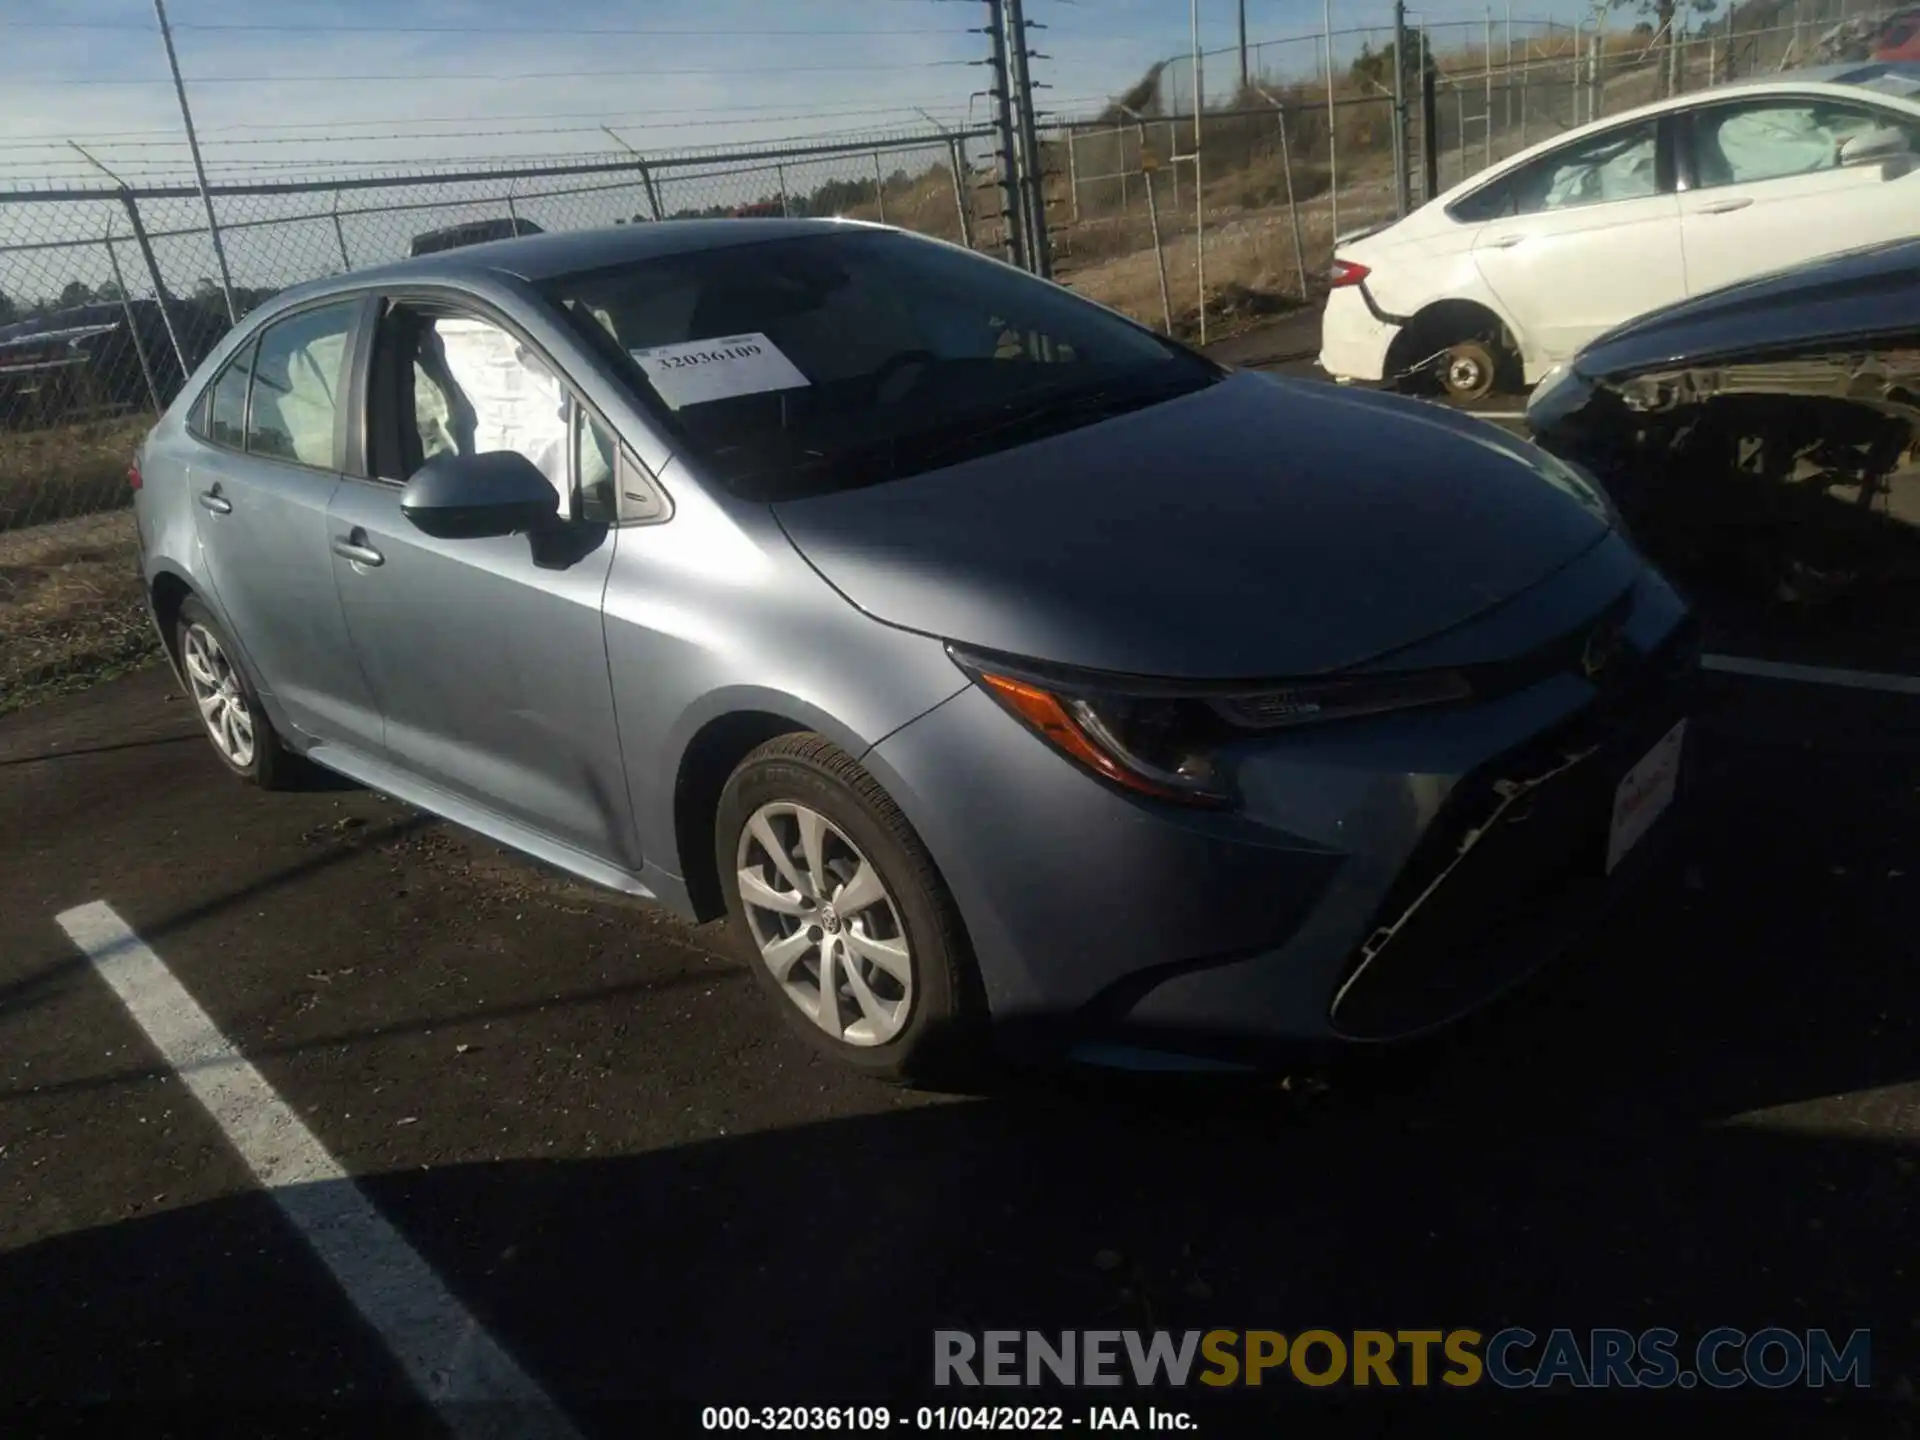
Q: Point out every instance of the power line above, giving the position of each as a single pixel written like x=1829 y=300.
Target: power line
x=532 y=32
x=416 y=78
x=323 y=138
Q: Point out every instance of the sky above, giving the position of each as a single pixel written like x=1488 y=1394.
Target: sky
x=305 y=90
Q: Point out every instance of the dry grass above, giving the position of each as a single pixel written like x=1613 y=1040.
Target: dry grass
x=67 y=470
x=70 y=605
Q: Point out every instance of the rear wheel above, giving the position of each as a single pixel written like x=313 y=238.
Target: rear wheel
x=230 y=712
x=838 y=909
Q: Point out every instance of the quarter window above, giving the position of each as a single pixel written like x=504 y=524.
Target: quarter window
x=296 y=387
x=226 y=405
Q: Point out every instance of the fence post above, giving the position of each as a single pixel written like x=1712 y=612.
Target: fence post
x=199 y=170
x=780 y=178
x=1073 y=177
x=1333 y=149
x=1199 y=177
x=1033 y=180
x=1460 y=120
x=879 y=189
x=1402 y=200
x=1486 y=120
x=1579 y=48
x=1429 y=131
x=1526 y=72
x=133 y=326
x=1286 y=173
x=159 y=285
x=340 y=234
x=1001 y=93
x=957 y=165
x=1153 y=222
x=1594 y=96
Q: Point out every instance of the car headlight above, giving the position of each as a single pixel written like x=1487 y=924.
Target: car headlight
x=1162 y=738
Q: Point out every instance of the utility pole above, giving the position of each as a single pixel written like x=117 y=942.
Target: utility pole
x=199 y=169
x=1001 y=93
x=1032 y=162
x=1246 y=82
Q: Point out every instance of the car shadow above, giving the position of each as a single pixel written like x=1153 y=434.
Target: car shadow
x=812 y=1265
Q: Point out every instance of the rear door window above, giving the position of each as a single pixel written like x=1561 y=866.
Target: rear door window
x=297 y=387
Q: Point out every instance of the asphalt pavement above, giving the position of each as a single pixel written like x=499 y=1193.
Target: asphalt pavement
x=619 y=1172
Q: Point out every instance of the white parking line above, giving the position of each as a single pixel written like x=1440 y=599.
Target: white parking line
x=1813 y=674
x=449 y=1359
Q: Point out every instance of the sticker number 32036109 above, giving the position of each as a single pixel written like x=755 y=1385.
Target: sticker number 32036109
x=696 y=372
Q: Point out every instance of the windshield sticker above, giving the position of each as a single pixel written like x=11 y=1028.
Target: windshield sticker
x=699 y=371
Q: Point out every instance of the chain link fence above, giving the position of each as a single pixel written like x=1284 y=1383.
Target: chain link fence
x=1151 y=213
x=110 y=297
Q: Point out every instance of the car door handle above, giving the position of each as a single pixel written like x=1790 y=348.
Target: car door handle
x=216 y=502
x=1725 y=207
x=1504 y=242
x=352 y=547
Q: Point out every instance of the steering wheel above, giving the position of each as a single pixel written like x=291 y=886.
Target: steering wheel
x=892 y=365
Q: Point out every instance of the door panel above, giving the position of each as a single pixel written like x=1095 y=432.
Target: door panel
x=1584 y=237
x=1770 y=192
x=489 y=663
x=487 y=656
x=1566 y=276
x=262 y=525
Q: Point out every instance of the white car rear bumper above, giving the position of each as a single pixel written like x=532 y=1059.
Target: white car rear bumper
x=1353 y=343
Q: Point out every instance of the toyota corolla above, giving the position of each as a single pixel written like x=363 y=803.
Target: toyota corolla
x=1000 y=668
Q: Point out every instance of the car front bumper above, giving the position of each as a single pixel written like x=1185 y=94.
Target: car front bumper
x=1336 y=905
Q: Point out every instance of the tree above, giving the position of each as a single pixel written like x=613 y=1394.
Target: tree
x=1375 y=67
x=109 y=291
x=74 y=292
x=9 y=312
x=1661 y=12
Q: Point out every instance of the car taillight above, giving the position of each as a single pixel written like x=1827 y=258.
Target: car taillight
x=1346 y=272
x=133 y=476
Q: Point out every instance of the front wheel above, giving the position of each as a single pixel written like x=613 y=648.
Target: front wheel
x=842 y=915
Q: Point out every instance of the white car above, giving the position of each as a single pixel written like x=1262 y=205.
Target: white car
x=1512 y=271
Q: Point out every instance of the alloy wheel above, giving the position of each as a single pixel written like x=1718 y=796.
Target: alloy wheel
x=217 y=693
x=824 y=924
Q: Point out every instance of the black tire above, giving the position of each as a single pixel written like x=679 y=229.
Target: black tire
x=272 y=765
x=942 y=1038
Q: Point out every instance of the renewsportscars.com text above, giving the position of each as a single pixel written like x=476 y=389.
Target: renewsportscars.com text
x=1724 y=1358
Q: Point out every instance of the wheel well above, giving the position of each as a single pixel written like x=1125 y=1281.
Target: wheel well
x=1442 y=324
x=170 y=592
x=712 y=755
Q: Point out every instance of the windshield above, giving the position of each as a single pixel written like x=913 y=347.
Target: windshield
x=800 y=366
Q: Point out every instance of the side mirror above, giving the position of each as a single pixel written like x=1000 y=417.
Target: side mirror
x=1875 y=147
x=465 y=497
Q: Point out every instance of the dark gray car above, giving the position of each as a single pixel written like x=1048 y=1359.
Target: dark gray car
x=992 y=661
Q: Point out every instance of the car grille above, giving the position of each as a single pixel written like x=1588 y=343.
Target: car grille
x=1516 y=855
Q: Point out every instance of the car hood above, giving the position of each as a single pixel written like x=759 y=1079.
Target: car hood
x=1257 y=528
x=1859 y=293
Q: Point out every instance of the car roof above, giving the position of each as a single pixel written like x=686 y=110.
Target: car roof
x=535 y=258
x=1897 y=80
